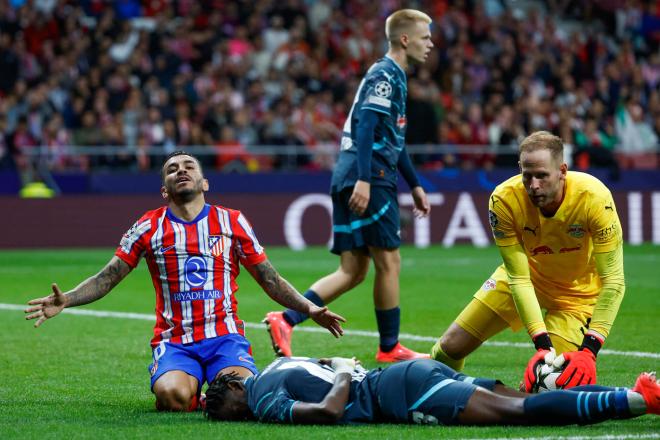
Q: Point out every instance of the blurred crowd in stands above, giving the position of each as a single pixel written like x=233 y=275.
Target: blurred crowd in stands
x=237 y=76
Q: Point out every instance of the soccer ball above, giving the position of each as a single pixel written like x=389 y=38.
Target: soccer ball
x=546 y=378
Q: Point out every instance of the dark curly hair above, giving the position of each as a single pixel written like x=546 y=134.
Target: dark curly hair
x=174 y=154
x=216 y=395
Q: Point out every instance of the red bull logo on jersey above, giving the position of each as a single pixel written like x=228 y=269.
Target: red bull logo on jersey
x=576 y=231
x=544 y=250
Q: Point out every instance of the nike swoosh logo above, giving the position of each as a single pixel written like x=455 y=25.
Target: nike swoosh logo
x=165 y=249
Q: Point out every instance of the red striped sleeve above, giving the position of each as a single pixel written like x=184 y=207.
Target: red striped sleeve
x=133 y=243
x=250 y=251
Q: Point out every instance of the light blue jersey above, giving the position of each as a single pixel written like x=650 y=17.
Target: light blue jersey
x=383 y=90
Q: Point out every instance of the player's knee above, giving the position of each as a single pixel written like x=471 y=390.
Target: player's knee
x=508 y=409
x=454 y=347
x=358 y=276
x=486 y=407
x=173 y=398
x=388 y=264
x=449 y=348
x=355 y=274
x=439 y=354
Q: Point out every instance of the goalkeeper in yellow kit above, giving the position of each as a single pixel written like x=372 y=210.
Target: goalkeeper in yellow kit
x=560 y=239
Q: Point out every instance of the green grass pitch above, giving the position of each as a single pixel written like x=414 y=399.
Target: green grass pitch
x=85 y=376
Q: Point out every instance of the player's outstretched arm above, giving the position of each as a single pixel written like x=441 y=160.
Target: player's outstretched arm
x=332 y=407
x=282 y=292
x=327 y=319
x=46 y=307
x=88 y=291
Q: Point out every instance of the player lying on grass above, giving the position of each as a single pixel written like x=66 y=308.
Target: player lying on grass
x=423 y=391
x=562 y=247
x=194 y=251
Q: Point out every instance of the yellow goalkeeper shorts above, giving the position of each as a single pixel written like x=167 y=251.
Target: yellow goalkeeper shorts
x=493 y=309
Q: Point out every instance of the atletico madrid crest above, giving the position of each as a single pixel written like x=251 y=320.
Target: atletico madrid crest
x=217 y=244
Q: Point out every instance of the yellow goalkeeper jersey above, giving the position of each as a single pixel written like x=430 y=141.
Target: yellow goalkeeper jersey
x=560 y=249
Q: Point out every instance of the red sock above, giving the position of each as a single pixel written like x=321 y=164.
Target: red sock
x=193 y=403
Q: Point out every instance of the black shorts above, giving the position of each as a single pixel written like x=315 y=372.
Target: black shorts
x=378 y=227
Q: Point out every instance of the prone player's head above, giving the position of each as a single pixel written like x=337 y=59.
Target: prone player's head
x=226 y=399
x=408 y=29
x=182 y=177
x=541 y=161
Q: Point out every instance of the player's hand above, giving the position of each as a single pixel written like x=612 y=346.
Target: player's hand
x=422 y=207
x=360 y=197
x=327 y=319
x=343 y=365
x=580 y=369
x=46 y=307
x=328 y=362
x=542 y=356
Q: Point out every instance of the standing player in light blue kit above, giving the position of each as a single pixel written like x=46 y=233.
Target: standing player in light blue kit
x=364 y=190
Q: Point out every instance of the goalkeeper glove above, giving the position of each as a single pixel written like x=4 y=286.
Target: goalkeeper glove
x=545 y=354
x=581 y=365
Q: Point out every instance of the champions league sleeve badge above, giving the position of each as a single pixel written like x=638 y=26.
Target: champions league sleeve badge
x=492 y=219
x=383 y=89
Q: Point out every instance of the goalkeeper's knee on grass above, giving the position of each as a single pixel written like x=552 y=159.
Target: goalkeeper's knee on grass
x=439 y=355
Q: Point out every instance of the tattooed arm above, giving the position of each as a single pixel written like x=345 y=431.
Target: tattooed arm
x=93 y=288
x=281 y=291
x=278 y=288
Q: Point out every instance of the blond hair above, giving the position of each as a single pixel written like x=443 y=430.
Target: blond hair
x=400 y=22
x=543 y=140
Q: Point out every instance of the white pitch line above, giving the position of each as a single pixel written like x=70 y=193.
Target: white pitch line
x=581 y=437
x=364 y=333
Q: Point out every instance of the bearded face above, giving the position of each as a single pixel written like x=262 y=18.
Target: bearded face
x=183 y=179
x=543 y=178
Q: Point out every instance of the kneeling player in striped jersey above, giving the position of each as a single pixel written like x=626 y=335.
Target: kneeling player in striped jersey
x=194 y=251
x=423 y=391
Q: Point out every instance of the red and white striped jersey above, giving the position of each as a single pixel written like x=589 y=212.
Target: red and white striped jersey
x=193 y=267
